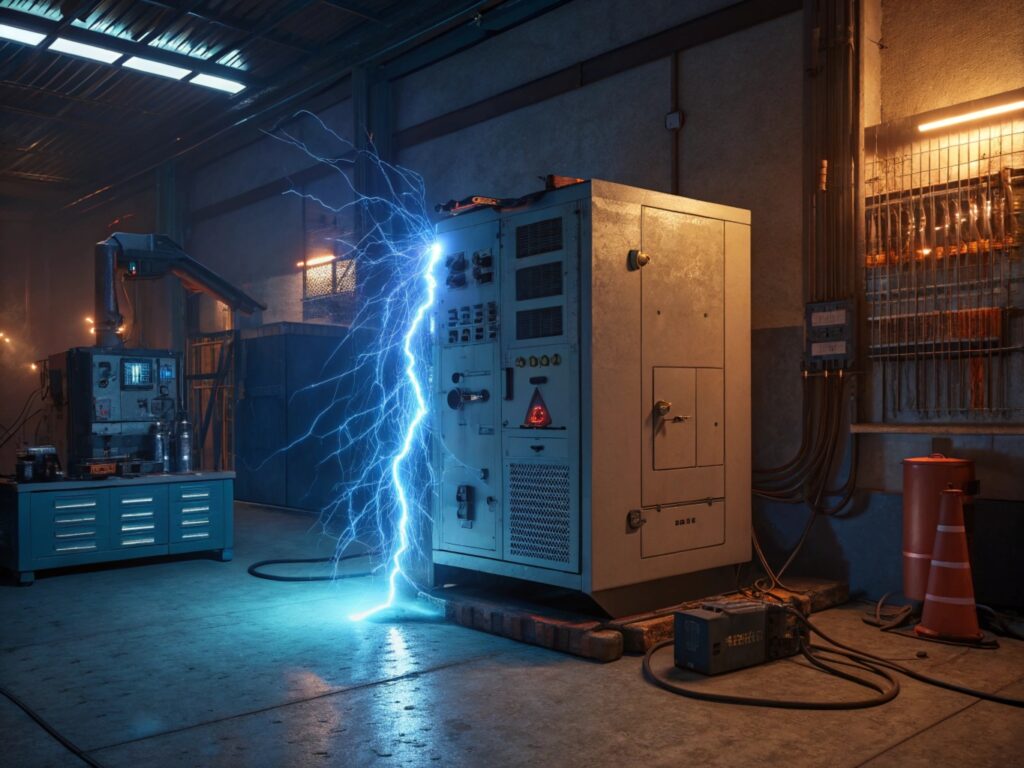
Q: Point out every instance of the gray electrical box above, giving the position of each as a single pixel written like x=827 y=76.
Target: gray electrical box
x=592 y=389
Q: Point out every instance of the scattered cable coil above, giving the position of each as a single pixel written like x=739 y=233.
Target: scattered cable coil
x=827 y=659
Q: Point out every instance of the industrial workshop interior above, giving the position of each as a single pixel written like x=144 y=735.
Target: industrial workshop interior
x=511 y=383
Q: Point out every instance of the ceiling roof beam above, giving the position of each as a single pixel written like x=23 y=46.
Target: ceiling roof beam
x=125 y=47
x=355 y=10
x=268 y=22
x=235 y=25
x=106 y=106
x=109 y=127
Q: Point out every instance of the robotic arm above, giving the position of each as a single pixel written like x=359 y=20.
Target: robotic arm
x=150 y=257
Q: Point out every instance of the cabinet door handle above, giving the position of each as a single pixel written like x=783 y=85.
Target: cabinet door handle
x=76 y=505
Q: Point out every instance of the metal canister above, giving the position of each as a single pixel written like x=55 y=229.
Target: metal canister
x=162 y=445
x=924 y=480
x=183 y=446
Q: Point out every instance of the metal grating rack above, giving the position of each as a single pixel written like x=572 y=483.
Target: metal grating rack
x=943 y=272
x=539 y=511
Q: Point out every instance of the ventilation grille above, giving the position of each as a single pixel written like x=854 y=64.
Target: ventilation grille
x=539 y=512
x=539 y=323
x=539 y=237
x=540 y=281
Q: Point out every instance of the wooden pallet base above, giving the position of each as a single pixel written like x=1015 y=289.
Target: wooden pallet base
x=602 y=640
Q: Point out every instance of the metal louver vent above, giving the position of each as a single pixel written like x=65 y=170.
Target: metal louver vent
x=539 y=237
x=539 y=323
x=539 y=512
x=540 y=281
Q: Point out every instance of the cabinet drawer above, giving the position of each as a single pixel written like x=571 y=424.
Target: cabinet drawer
x=197 y=492
x=69 y=523
x=198 y=520
x=138 y=517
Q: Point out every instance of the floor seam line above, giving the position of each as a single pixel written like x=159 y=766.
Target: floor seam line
x=324 y=695
x=938 y=722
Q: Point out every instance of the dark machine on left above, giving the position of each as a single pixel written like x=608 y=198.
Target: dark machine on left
x=118 y=411
x=111 y=487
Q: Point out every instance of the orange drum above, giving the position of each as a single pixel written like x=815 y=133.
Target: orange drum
x=924 y=480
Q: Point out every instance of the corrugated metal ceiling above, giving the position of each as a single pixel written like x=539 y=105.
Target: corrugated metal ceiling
x=67 y=123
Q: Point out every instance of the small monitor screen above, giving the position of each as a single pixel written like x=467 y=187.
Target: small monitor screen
x=136 y=374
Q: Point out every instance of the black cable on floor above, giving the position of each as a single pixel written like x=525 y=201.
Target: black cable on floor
x=254 y=569
x=886 y=692
x=69 y=745
x=875 y=665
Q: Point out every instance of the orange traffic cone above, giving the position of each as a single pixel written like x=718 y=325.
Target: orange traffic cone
x=949 y=609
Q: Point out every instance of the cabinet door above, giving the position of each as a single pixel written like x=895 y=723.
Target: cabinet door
x=683 y=353
x=69 y=524
x=138 y=517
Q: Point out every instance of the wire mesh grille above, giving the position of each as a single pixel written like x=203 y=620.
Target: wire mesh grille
x=319 y=281
x=942 y=271
x=539 y=506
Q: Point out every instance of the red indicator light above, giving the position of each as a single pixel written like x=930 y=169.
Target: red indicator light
x=537 y=415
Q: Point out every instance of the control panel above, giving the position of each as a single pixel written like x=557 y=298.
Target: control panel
x=591 y=388
x=106 y=402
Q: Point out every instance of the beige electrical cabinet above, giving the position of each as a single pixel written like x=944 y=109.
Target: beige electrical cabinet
x=592 y=390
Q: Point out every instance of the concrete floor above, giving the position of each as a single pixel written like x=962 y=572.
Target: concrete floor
x=195 y=663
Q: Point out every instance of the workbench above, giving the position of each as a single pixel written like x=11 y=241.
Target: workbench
x=78 y=522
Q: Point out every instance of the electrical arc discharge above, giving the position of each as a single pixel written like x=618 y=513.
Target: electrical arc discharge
x=411 y=429
x=379 y=402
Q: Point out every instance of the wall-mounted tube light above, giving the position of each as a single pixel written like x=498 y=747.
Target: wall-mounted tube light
x=19 y=35
x=219 y=83
x=1002 y=109
x=156 y=68
x=94 y=52
x=316 y=261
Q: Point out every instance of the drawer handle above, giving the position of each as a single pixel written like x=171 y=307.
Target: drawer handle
x=74 y=520
x=135 y=515
x=197 y=495
x=76 y=535
x=190 y=510
x=195 y=521
x=137 y=541
x=202 y=535
x=76 y=548
x=139 y=527
x=76 y=505
x=139 y=500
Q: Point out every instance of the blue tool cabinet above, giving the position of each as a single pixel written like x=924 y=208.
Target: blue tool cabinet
x=56 y=524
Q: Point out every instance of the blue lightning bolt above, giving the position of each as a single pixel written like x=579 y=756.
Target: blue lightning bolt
x=410 y=433
x=378 y=415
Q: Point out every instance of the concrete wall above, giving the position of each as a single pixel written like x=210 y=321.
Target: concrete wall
x=943 y=52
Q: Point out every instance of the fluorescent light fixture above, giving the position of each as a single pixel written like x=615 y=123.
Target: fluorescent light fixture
x=1002 y=109
x=316 y=261
x=220 y=83
x=70 y=47
x=156 y=68
x=20 y=35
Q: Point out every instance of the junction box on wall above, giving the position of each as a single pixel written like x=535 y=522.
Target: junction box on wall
x=592 y=389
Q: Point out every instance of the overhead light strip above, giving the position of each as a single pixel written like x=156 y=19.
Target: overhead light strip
x=18 y=35
x=967 y=117
x=157 y=68
x=84 y=51
x=218 y=83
